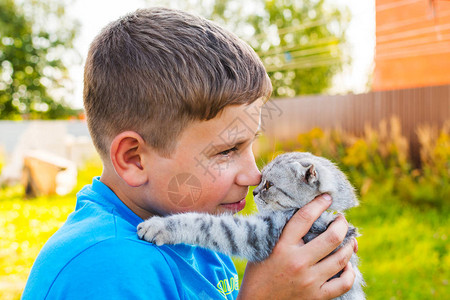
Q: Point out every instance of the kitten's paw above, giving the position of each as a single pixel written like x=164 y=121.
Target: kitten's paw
x=154 y=230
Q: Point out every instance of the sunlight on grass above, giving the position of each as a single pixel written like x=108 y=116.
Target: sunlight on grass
x=25 y=226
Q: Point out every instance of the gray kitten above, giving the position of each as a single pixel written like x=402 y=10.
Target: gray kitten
x=288 y=182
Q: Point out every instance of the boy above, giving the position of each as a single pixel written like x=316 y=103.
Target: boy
x=170 y=101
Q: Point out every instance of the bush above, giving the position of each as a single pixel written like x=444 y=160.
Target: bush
x=380 y=160
x=429 y=186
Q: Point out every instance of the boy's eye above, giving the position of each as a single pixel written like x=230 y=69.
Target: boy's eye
x=228 y=151
x=267 y=185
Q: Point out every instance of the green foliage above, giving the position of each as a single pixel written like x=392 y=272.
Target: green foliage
x=35 y=42
x=300 y=42
x=380 y=160
x=433 y=181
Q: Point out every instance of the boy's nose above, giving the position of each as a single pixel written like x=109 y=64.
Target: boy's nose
x=248 y=175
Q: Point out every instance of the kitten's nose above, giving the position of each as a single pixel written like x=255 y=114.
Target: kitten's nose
x=255 y=192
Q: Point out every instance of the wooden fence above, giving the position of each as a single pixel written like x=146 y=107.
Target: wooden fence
x=285 y=118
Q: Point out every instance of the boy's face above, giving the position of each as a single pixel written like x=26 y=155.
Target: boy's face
x=211 y=168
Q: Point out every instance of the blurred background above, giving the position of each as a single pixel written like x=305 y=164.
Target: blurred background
x=363 y=83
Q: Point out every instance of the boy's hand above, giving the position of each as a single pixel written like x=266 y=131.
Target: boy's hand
x=296 y=270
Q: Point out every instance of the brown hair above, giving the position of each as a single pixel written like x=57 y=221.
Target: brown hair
x=156 y=70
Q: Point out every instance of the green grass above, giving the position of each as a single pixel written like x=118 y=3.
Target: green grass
x=25 y=226
x=404 y=250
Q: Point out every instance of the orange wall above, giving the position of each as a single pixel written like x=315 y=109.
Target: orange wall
x=412 y=44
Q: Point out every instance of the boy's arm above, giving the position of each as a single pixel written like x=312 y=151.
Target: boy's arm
x=298 y=271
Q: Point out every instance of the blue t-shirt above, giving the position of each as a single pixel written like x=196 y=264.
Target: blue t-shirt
x=96 y=254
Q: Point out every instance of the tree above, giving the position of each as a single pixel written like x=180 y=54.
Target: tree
x=299 y=41
x=35 y=41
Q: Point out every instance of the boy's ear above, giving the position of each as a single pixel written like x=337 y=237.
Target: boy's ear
x=126 y=153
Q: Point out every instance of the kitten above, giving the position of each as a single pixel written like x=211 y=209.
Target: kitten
x=289 y=182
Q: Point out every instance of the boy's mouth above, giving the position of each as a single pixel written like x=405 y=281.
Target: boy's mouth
x=236 y=206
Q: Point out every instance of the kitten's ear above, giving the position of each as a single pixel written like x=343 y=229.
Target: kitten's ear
x=308 y=173
x=311 y=175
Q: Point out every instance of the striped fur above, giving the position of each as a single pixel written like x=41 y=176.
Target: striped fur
x=251 y=237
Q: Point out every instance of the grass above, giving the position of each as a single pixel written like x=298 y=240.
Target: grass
x=25 y=226
x=404 y=250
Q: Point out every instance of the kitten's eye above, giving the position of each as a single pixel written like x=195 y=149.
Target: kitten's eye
x=267 y=185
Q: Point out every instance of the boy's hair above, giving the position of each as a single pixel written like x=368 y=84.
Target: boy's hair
x=155 y=70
